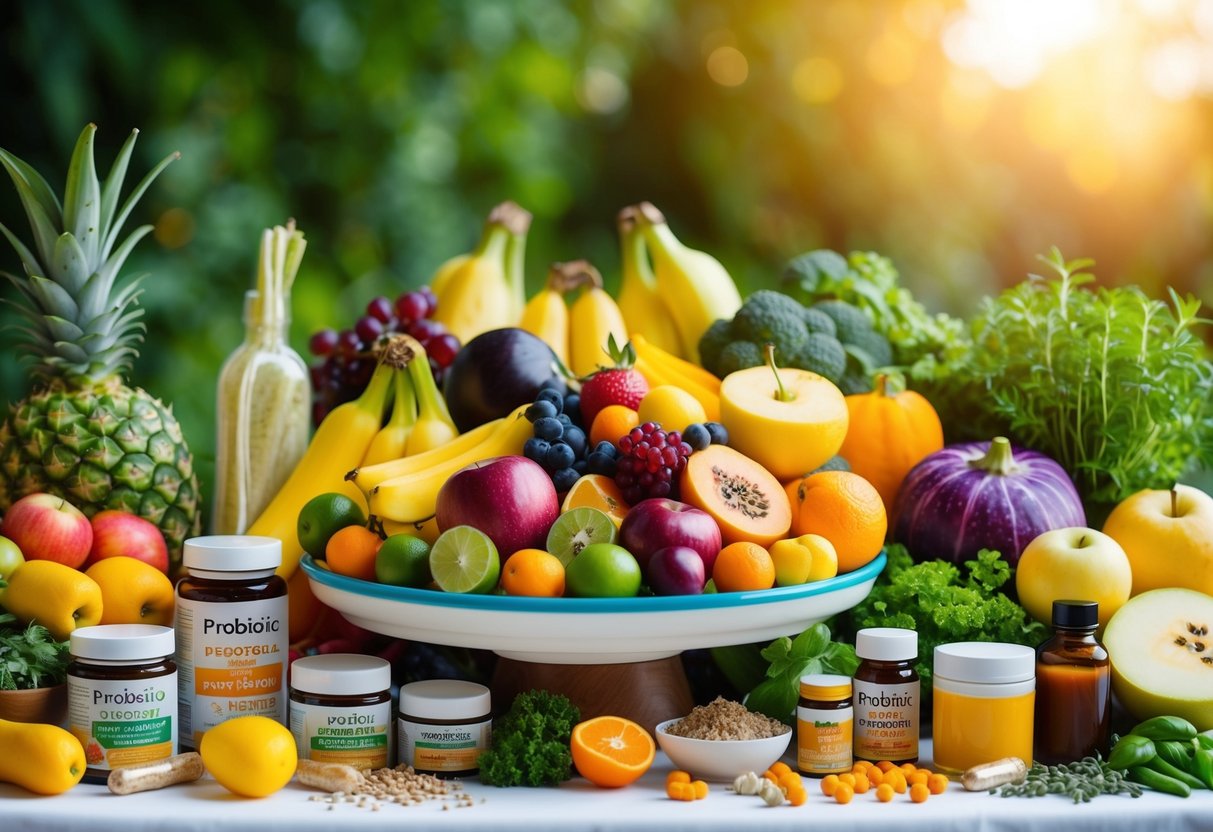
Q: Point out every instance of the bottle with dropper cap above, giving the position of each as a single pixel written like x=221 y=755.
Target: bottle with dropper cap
x=1073 y=687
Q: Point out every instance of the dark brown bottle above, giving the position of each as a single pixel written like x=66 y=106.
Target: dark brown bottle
x=1073 y=687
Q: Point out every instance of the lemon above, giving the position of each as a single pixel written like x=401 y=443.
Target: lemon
x=671 y=407
x=252 y=756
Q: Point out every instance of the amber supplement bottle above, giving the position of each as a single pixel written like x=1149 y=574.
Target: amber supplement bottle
x=886 y=695
x=1073 y=687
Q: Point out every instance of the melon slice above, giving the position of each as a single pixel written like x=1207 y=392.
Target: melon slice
x=1160 y=644
x=744 y=498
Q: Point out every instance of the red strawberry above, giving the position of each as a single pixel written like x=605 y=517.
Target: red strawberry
x=620 y=384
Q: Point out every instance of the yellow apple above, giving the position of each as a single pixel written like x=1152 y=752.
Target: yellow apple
x=56 y=596
x=1168 y=536
x=790 y=422
x=133 y=592
x=1073 y=563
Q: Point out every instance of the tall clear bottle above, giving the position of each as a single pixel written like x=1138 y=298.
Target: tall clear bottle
x=264 y=397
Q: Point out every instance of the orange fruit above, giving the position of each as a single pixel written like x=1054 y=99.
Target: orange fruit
x=613 y=423
x=351 y=551
x=533 y=572
x=611 y=751
x=743 y=566
x=597 y=491
x=846 y=510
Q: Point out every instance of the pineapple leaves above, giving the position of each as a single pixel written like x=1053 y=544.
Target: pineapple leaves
x=113 y=182
x=133 y=198
x=41 y=223
x=50 y=295
x=40 y=190
x=28 y=260
x=82 y=197
x=69 y=266
x=99 y=292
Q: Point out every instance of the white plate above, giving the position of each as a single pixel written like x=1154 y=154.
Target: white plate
x=589 y=630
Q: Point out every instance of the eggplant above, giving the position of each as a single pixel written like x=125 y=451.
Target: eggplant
x=496 y=372
x=982 y=495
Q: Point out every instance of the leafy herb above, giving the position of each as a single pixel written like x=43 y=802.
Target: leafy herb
x=810 y=652
x=1112 y=384
x=530 y=745
x=29 y=656
x=945 y=605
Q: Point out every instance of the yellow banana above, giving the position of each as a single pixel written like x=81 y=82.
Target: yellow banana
x=703 y=289
x=392 y=439
x=366 y=477
x=339 y=443
x=546 y=316
x=644 y=309
x=442 y=276
x=657 y=374
x=427 y=531
x=673 y=365
x=434 y=427
x=485 y=291
x=593 y=319
x=412 y=498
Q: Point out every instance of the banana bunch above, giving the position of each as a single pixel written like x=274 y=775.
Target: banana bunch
x=645 y=310
x=698 y=288
x=660 y=367
x=484 y=289
x=404 y=491
x=577 y=333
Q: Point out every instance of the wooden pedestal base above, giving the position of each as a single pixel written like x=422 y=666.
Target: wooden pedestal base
x=644 y=692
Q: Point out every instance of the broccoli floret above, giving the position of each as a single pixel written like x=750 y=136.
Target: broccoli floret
x=771 y=317
x=530 y=745
x=739 y=355
x=817 y=321
x=821 y=354
x=874 y=346
x=848 y=320
x=807 y=271
x=712 y=342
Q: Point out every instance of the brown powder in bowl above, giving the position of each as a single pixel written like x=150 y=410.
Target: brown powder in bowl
x=723 y=719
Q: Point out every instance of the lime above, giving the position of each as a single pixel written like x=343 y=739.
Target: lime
x=603 y=570
x=322 y=516
x=578 y=528
x=464 y=559
x=403 y=560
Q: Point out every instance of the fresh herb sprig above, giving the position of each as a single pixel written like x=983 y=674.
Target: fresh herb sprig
x=810 y=652
x=1112 y=384
x=29 y=656
x=530 y=745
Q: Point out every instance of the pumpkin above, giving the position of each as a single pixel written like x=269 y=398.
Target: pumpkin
x=889 y=433
x=982 y=495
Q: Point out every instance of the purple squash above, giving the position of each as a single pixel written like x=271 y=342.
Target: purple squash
x=982 y=495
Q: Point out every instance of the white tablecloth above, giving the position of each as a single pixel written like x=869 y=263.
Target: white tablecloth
x=206 y=807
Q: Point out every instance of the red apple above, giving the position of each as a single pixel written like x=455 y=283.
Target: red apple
x=46 y=527
x=676 y=570
x=509 y=498
x=121 y=533
x=657 y=523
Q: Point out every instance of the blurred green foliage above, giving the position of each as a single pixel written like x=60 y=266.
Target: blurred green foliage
x=389 y=129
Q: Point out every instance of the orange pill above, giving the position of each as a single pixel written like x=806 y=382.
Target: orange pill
x=829 y=784
x=862 y=784
x=677 y=776
x=919 y=776
x=843 y=793
x=919 y=792
x=875 y=776
x=680 y=791
x=699 y=789
x=884 y=792
x=897 y=780
x=780 y=767
x=789 y=780
x=861 y=766
x=847 y=778
x=797 y=796
x=937 y=783
x=885 y=765
x=908 y=768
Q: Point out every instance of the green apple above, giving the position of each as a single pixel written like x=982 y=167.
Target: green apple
x=603 y=570
x=10 y=558
x=1073 y=563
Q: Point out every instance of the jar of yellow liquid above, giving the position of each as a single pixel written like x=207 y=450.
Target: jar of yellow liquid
x=985 y=697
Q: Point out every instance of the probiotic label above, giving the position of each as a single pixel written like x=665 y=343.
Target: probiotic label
x=124 y=723
x=231 y=661
x=886 y=721
x=357 y=736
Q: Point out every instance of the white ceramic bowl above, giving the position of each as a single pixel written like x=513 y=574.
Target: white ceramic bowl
x=721 y=760
x=588 y=630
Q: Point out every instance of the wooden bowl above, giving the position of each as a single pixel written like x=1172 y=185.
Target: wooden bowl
x=47 y=705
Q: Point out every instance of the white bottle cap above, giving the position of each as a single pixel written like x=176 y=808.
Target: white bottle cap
x=886 y=644
x=122 y=643
x=985 y=662
x=444 y=699
x=341 y=674
x=232 y=553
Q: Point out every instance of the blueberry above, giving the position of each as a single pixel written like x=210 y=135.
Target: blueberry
x=564 y=479
x=542 y=409
x=535 y=449
x=555 y=385
x=558 y=456
x=575 y=438
x=549 y=428
x=553 y=396
x=697 y=436
x=597 y=463
x=565 y=420
x=581 y=467
x=608 y=449
x=572 y=405
x=720 y=436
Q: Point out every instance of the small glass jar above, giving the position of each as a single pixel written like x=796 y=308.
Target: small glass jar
x=824 y=717
x=122 y=695
x=1073 y=687
x=887 y=694
x=985 y=695
x=444 y=726
x=341 y=709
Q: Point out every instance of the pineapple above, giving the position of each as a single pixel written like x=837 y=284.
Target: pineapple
x=82 y=433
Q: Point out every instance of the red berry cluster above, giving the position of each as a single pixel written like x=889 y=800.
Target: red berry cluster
x=347 y=359
x=650 y=461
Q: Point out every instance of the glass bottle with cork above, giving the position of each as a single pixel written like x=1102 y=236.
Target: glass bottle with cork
x=1073 y=687
x=887 y=693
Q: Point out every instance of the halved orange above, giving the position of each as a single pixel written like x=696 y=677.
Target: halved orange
x=611 y=751
x=597 y=491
